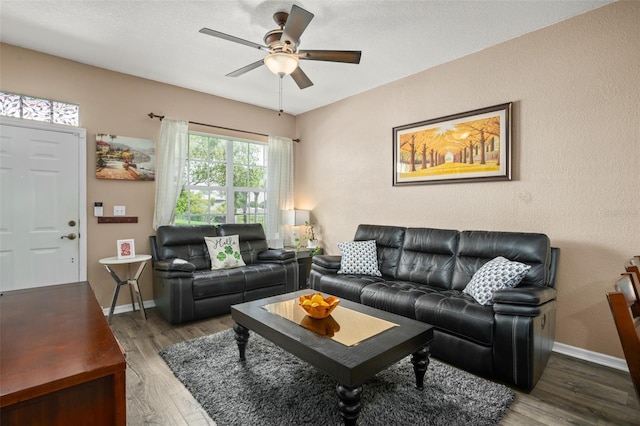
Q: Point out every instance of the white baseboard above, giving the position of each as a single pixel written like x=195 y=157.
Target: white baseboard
x=595 y=357
x=572 y=351
x=128 y=308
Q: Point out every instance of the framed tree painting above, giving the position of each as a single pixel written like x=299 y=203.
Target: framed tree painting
x=467 y=147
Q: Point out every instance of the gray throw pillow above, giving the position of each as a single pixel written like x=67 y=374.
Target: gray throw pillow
x=496 y=274
x=359 y=258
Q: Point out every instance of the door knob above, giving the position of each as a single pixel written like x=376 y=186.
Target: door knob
x=71 y=236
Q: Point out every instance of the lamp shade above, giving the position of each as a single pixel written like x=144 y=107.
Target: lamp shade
x=281 y=63
x=296 y=217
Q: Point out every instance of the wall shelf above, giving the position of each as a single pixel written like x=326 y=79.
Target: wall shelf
x=118 y=219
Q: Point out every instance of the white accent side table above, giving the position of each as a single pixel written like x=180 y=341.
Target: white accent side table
x=108 y=262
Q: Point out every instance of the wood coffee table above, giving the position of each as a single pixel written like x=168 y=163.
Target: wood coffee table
x=352 y=345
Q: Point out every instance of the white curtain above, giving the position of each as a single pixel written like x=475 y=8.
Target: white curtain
x=279 y=183
x=170 y=160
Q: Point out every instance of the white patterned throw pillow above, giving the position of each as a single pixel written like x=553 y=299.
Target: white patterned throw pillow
x=494 y=275
x=359 y=258
x=224 y=252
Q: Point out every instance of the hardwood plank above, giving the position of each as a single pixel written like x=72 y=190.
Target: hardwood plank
x=154 y=395
x=571 y=391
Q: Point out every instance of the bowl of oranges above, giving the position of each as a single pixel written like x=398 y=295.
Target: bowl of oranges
x=316 y=306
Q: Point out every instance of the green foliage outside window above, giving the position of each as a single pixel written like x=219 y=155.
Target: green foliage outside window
x=216 y=169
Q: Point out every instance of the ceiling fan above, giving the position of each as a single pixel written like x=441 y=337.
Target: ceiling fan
x=282 y=45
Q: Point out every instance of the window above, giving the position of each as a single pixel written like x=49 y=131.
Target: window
x=225 y=182
x=20 y=106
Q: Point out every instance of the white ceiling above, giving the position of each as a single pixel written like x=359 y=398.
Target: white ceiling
x=159 y=40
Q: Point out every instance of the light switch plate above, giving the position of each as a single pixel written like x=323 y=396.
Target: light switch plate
x=119 y=210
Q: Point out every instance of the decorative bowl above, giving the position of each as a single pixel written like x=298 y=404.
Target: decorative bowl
x=317 y=306
x=324 y=327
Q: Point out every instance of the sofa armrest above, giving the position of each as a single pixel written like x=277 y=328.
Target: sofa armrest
x=525 y=318
x=528 y=295
x=285 y=259
x=272 y=255
x=170 y=266
x=173 y=294
x=327 y=262
x=321 y=265
x=524 y=338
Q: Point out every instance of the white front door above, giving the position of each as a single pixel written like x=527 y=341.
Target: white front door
x=42 y=204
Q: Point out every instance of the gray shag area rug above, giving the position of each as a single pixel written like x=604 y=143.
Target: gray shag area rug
x=274 y=388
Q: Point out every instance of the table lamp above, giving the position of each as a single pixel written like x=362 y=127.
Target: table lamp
x=296 y=218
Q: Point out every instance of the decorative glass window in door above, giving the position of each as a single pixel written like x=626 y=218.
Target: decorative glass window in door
x=32 y=108
x=10 y=105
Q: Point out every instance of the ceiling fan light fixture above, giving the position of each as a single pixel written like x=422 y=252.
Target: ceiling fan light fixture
x=281 y=63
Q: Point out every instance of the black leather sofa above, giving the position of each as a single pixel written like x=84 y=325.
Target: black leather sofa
x=424 y=271
x=184 y=286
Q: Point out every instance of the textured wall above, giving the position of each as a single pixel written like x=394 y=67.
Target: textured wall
x=576 y=156
x=576 y=151
x=118 y=104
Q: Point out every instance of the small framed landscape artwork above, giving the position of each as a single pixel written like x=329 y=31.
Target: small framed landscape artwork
x=120 y=157
x=126 y=249
x=467 y=147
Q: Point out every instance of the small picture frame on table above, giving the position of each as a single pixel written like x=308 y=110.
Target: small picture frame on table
x=126 y=249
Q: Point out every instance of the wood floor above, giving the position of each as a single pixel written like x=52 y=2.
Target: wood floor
x=570 y=392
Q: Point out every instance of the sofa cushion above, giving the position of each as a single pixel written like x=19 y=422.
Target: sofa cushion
x=388 y=243
x=428 y=256
x=457 y=313
x=210 y=283
x=398 y=297
x=224 y=252
x=497 y=274
x=345 y=286
x=359 y=258
x=263 y=275
x=251 y=236
x=476 y=248
x=185 y=242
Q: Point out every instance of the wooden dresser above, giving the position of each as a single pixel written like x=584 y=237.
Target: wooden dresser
x=59 y=361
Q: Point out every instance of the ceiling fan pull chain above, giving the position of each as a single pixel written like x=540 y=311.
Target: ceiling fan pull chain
x=280 y=93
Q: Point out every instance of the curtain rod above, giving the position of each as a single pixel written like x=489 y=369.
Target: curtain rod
x=160 y=117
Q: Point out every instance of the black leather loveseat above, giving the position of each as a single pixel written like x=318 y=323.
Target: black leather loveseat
x=424 y=272
x=184 y=286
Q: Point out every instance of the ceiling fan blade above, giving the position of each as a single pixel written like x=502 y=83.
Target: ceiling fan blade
x=234 y=39
x=301 y=78
x=246 y=69
x=348 y=56
x=296 y=24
